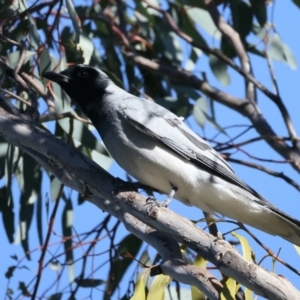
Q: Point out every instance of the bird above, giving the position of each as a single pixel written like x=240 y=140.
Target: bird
x=158 y=149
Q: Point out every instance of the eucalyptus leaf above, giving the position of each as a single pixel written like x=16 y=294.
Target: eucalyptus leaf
x=73 y=17
x=203 y=18
x=281 y=52
x=199 y=111
x=14 y=57
x=219 y=69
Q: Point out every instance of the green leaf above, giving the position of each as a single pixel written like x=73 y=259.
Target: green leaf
x=55 y=265
x=10 y=272
x=196 y=3
x=39 y=217
x=127 y=250
x=281 y=52
x=260 y=11
x=219 y=69
x=15 y=257
x=145 y=258
x=8 y=215
x=87 y=48
x=227 y=47
x=33 y=35
x=55 y=187
x=187 y=25
x=242 y=17
x=203 y=18
x=14 y=57
x=88 y=283
x=44 y=61
x=74 y=20
x=23 y=288
x=56 y=296
x=30 y=183
x=199 y=108
x=297 y=2
x=67 y=223
x=192 y=61
x=196 y=293
x=247 y=251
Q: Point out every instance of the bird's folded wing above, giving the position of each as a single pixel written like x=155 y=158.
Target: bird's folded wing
x=170 y=130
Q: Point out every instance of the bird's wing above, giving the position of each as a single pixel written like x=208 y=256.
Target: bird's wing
x=170 y=130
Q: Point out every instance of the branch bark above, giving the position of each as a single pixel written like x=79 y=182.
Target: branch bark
x=162 y=229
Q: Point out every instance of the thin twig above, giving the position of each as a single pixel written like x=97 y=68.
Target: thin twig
x=45 y=246
x=69 y=114
x=269 y=251
x=15 y=96
x=266 y=170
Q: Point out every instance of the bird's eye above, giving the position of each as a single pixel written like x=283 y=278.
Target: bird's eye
x=83 y=73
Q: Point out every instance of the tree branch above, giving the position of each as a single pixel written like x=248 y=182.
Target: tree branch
x=103 y=192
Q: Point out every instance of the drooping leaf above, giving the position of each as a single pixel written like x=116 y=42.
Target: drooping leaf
x=14 y=57
x=281 y=52
x=247 y=254
x=55 y=188
x=87 y=48
x=33 y=35
x=45 y=61
x=219 y=69
x=7 y=210
x=203 y=18
x=10 y=272
x=89 y=283
x=187 y=25
x=67 y=223
x=199 y=108
x=127 y=250
x=56 y=296
x=139 y=290
x=158 y=286
x=260 y=11
x=242 y=17
x=74 y=19
x=229 y=289
x=196 y=293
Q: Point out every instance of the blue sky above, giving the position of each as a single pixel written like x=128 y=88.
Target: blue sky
x=285 y=197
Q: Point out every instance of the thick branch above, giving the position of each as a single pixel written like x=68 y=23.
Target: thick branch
x=102 y=185
x=23 y=136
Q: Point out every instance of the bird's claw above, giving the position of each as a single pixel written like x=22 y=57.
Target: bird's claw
x=152 y=202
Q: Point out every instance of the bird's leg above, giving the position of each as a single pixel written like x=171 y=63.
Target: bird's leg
x=153 y=202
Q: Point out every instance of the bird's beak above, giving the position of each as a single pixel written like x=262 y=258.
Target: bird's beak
x=56 y=77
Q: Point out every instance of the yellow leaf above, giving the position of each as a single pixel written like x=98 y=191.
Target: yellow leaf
x=196 y=293
x=229 y=290
x=297 y=249
x=247 y=251
x=157 y=289
x=139 y=291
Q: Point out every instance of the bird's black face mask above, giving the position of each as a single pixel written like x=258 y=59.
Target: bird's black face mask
x=84 y=84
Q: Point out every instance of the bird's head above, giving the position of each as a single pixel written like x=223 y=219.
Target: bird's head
x=84 y=84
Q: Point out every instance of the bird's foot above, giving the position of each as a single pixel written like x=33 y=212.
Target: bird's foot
x=152 y=202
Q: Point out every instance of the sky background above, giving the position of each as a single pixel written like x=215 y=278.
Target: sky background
x=285 y=197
